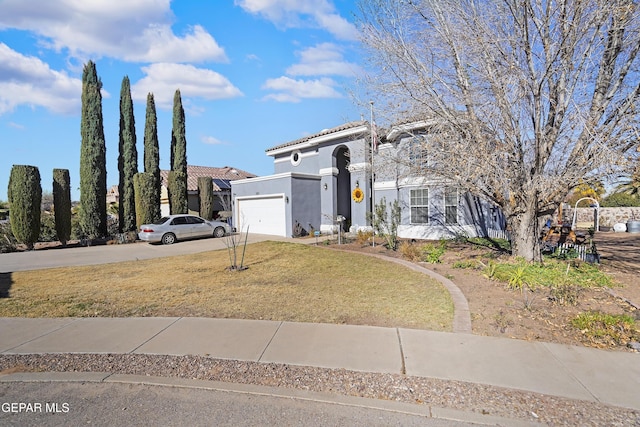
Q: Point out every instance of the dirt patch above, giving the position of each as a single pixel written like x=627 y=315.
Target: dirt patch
x=537 y=316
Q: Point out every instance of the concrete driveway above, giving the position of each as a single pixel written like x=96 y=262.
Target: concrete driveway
x=105 y=254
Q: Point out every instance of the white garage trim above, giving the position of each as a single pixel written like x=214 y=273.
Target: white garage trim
x=262 y=214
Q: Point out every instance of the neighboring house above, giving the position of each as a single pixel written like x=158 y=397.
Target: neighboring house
x=113 y=195
x=316 y=180
x=312 y=185
x=221 y=178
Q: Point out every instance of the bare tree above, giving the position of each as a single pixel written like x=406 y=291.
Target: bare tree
x=526 y=97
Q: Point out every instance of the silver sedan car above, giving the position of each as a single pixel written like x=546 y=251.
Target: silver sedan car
x=171 y=228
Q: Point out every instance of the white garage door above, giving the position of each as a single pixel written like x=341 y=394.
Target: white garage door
x=263 y=215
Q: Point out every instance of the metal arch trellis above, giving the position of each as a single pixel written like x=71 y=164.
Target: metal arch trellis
x=575 y=213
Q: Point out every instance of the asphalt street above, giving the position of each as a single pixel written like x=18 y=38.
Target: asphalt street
x=100 y=404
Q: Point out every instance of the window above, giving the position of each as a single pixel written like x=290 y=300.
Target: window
x=418 y=159
x=296 y=157
x=420 y=206
x=451 y=205
x=180 y=220
x=195 y=220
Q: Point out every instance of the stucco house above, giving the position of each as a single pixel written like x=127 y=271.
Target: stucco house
x=221 y=178
x=316 y=180
x=431 y=207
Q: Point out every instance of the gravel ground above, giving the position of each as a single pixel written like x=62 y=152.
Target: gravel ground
x=478 y=398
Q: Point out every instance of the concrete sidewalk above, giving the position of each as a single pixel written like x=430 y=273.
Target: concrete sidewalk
x=552 y=369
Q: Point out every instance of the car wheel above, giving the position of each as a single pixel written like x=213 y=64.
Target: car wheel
x=219 y=232
x=168 y=239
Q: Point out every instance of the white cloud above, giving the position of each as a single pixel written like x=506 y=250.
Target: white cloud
x=164 y=78
x=292 y=90
x=302 y=13
x=323 y=59
x=131 y=30
x=26 y=80
x=16 y=125
x=210 y=140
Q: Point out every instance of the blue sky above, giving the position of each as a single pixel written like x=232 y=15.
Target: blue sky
x=252 y=73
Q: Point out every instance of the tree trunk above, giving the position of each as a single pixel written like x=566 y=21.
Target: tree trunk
x=525 y=239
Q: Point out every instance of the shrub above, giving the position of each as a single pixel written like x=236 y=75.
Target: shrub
x=62 y=204
x=620 y=200
x=47 y=228
x=364 y=237
x=386 y=224
x=144 y=189
x=432 y=253
x=410 y=251
x=177 y=188
x=25 y=196
x=205 y=197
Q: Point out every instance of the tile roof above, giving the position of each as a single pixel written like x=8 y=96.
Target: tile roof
x=336 y=129
x=194 y=172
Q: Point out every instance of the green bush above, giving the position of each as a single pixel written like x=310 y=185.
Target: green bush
x=47 y=228
x=177 y=188
x=62 y=204
x=25 y=197
x=433 y=253
x=205 y=197
x=144 y=184
x=620 y=200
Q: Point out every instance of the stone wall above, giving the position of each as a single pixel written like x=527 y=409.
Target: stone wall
x=608 y=216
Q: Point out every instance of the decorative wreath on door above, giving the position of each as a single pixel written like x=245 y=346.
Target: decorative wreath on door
x=357 y=195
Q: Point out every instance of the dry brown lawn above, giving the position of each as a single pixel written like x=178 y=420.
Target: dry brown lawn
x=284 y=281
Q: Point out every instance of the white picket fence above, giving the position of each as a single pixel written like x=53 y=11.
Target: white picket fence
x=582 y=252
x=498 y=234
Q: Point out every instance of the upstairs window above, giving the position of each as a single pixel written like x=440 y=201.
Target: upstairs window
x=418 y=156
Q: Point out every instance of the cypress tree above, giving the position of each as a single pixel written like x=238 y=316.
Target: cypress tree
x=93 y=157
x=144 y=184
x=205 y=196
x=127 y=160
x=152 y=154
x=179 y=155
x=25 y=197
x=177 y=188
x=62 y=204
